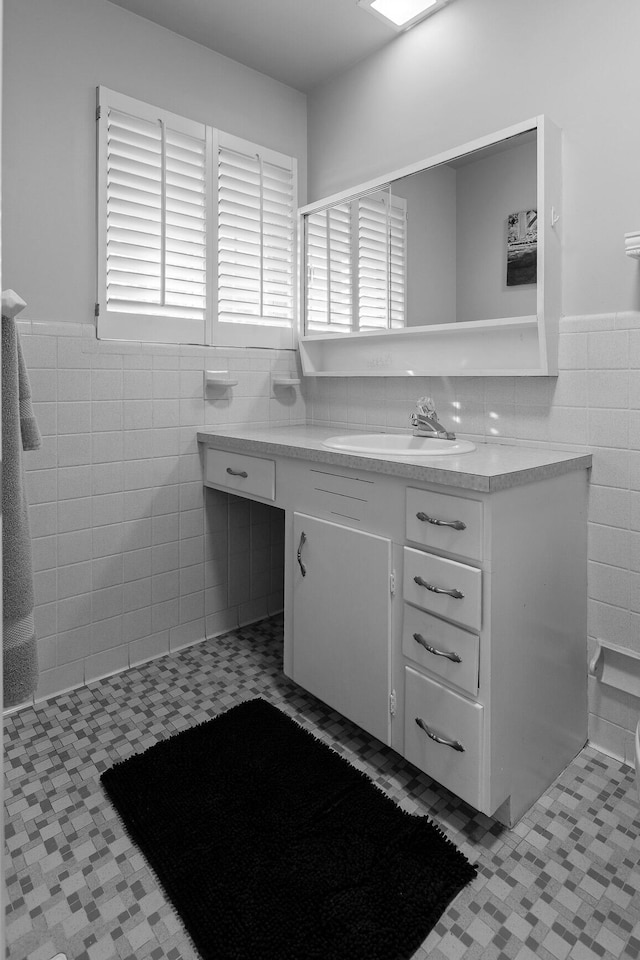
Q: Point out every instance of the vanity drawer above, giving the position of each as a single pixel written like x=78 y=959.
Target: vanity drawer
x=241 y=474
x=441 y=648
x=447 y=523
x=426 y=575
x=451 y=718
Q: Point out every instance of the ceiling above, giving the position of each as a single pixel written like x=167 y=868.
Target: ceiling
x=300 y=42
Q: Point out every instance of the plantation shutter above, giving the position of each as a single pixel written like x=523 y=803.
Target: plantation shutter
x=329 y=288
x=153 y=218
x=256 y=245
x=381 y=230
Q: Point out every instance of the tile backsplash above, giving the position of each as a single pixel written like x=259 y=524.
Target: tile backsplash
x=133 y=559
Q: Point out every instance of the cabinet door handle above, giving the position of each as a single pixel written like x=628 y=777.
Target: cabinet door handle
x=303 y=540
x=456 y=594
x=237 y=473
x=454 y=744
x=454 y=524
x=434 y=650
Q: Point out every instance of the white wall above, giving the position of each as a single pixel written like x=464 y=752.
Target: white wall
x=56 y=53
x=481 y=65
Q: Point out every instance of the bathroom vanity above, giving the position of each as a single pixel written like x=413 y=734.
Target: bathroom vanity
x=439 y=603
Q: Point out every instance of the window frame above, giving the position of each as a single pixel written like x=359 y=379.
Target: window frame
x=210 y=331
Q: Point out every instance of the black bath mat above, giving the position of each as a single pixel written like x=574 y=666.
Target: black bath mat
x=270 y=845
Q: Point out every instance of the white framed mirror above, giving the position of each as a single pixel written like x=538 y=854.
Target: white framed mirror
x=450 y=266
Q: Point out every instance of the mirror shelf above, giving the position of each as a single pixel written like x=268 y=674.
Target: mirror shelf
x=522 y=345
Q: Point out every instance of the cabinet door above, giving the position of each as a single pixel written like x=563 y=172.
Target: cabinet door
x=342 y=620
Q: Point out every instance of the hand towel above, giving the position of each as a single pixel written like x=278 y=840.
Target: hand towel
x=19 y=432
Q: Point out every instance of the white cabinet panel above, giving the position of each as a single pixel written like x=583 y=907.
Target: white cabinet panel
x=450 y=589
x=241 y=474
x=454 y=759
x=342 y=620
x=441 y=522
x=441 y=648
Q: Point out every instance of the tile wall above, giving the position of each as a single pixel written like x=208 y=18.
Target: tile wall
x=593 y=404
x=132 y=558
x=132 y=561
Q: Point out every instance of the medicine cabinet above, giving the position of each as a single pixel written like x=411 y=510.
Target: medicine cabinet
x=447 y=267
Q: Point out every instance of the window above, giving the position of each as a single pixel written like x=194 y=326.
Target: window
x=196 y=231
x=356 y=265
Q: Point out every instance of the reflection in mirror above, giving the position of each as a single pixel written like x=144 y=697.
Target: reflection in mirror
x=356 y=265
x=455 y=242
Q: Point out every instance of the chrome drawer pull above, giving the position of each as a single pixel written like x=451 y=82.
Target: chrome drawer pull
x=237 y=473
x=430 y=586
x=454 y=744
x=437 y=653
x=303 y=540
x=454 y=524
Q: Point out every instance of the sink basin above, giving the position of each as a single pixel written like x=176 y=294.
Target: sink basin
x=397 y=445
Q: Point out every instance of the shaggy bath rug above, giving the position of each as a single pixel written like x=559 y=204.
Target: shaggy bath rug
x=270 y=845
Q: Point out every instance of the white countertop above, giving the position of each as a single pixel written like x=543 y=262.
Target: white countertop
x=490 y=467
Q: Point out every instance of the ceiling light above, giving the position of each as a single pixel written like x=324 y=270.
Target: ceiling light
x=401 y=14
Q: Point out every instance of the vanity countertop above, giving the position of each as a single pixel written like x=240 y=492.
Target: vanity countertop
x=491 y=466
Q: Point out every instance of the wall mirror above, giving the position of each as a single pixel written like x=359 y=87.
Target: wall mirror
x=448 y=267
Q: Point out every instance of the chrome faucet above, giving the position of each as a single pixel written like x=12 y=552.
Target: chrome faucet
x=425 y=423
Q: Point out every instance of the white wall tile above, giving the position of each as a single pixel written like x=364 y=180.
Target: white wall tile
x=138 y=414
x=106 y=634
x=136 y=563
x=74 y=547
x=136 y=594
x=42 y=518
x=106 y=384
x=186 y=634
x=165 y=614
x=44 y=385
x=74 y=417
x=74 y=385
x=59 y=679
x=74 y=579
x=74 y=449
x=105 y=664
x=136 y=624
x=44 y=552
x=137 y=384
x=107 y=508
x=107 y=571
x=74 y=482
x=148 y=648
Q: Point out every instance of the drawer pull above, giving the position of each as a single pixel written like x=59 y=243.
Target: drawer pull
x=454 y=524
x=437 y=653
x=456 y=594
x=303 y=540
x=237 y=473
x=454 y=744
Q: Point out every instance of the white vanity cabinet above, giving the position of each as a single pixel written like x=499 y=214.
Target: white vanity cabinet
x=341 y=609
x=447 y=621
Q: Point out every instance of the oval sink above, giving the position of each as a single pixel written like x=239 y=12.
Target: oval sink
x=397 y=445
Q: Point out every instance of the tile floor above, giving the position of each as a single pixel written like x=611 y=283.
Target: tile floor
x=565 y=883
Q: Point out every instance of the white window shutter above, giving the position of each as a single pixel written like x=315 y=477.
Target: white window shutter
x=257 y=198
x=381 y=261
x=153 y=213
x=329 y=267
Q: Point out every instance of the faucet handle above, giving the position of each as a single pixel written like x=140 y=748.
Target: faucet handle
x=426 y=407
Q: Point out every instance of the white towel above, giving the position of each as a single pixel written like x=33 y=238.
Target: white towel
x=19 y=432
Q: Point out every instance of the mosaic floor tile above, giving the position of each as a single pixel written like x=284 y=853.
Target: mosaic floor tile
x=564 y=884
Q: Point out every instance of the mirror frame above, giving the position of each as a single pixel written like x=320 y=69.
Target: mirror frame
x=509 y=346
